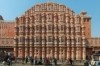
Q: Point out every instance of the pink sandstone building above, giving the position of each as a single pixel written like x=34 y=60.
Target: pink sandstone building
x=52 y=30
x=6 y=35
x=49 y=30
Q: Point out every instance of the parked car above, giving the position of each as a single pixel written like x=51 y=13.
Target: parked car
x=97 y=63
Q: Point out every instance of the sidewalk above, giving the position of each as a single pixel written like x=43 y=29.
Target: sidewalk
x=28 y=64
x=39 y=65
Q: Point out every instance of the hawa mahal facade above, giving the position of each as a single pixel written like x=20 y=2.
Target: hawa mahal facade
x=52 y=30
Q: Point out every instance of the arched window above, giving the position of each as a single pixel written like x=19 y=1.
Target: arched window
x=37 y=39
x=37 y=17
x=62 y=27
x=62 y=17
x=78 y=40
x=62 y=39
x=50 y=27
x=49 y=17
x=37 y=7
x=61 y=8
x=49 y=7
x=50 y=39
x=37 y=27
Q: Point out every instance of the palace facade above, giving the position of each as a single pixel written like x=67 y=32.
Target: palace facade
x=7 y=35
x=52 y=30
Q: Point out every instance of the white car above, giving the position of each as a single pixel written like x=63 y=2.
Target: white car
x=97 y=63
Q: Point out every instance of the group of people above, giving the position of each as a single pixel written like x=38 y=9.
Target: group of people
x=39 y=61
x=8 y=59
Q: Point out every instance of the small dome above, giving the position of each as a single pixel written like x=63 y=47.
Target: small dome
x=1 y=18
x=83 y=13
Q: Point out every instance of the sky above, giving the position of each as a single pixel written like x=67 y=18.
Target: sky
x=10 y=9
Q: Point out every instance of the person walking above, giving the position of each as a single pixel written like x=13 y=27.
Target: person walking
x=55 y=61
x=71 y=61
x=26 y=60
x=23 y=60
x=31 y=60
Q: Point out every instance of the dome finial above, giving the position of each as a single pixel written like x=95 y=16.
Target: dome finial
x=83 y=12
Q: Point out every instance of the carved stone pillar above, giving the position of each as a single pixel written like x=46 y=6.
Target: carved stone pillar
x=26 y=51
x=16 y=52
x=20 y=52
x=43 y=52
x=77 y=55
x=72 y=53
x=23 y=52
x=31 y=51
x=55 y=53
x=68 y=53
x=47 y=54
x=84 y=53
x=31 y=47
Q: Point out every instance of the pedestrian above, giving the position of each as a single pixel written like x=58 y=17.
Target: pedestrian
x=70 y=61
x=23 y=60
x=26 y=59
x=55 y=61
x=9 y=61
x=36 y=61
x=86 y=63
x=40 y=61
x=31 y=60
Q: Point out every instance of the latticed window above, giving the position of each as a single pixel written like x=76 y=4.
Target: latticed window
x=37 y=8
x=79 y=40
x=21 y=39
x=49 y=51
x=49 y=8
x=2 y=42
x=43 y=28
x=26 y=39
x=37 y=17
x=27 y=29
x=61 y=8
x=72 y=29
x=49 y=38
x=49 y=27
x=16 y=40
x=55 y=7
x=61 y=17
x=68 y=41
x=62 y=27
x=38 y=38
x=55 y=28
x=78 y=28
x=27 y=19
x=37 y=27
x=31 y=39
x=49 y=17
x=21 y=28
x=62 y=39
x=78 y=20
